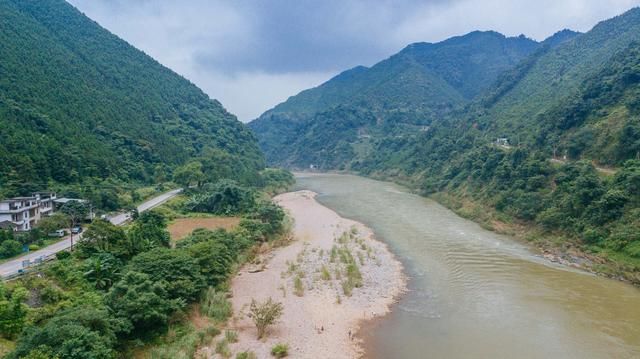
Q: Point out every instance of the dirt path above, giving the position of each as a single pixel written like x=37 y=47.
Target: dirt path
x=321 y=319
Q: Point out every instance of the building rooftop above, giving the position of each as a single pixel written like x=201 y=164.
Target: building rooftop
x=66 y=200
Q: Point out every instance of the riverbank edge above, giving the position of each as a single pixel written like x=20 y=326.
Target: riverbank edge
x=394 y=292
x=553 y=247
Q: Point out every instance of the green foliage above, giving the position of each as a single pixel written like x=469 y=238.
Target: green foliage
x=214 y=304
x=75 y=211
x=246 y=355
x=53 y=223
x=189 y=174
x=103 y=270
x=82 y=332
x=275 y=180
x=183 y=342
x=13 y=311
x=149 y=231
x=222 y=198
x=10 y=248
x=130 y=118
x=143 y=303
x=214 y=258
x=280 y=350
x=175 y=269
x=104 y=237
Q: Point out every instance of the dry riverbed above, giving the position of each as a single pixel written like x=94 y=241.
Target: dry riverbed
x=331 y=279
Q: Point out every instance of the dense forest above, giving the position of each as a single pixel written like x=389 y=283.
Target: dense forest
x=81 y=110
x=567 y=166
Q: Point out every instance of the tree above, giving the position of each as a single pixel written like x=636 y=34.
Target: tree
x=224 y=198
x=103 y=236
x=13 y=311
x=10 y=248
x=215 y=260
x=54 y=222
x=76 y=211
x=180 y=272
x=189 y=174
x=147 y=232
x=103 y=270
x=265 y=314
x=80 y=332
x=142 y=302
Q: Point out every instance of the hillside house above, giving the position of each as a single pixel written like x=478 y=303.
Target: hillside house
x=23 y=213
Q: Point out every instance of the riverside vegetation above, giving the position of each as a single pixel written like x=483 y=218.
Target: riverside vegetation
x=125 y=290
x=567 y=170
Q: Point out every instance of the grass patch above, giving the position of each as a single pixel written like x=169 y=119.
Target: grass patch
x=214 y=304
x=182 y=342
x=231 y=336
x=246 y=355
x=222 y=348
x=298 y=286
x=324 y=273
x=280 y=350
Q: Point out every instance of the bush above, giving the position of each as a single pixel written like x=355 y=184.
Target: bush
x=142 y=302
x=63 y=255
x=179 y=272
x=280 y=350
x=265 y=314
x=10 y=248
x=222 y=348
x=82 y=332
x=223 y=198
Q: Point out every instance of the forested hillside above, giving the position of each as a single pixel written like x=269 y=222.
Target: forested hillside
x=80 y=105
x=575 y=98
x=406 y=92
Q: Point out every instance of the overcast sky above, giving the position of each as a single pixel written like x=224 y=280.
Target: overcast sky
x=253 y=54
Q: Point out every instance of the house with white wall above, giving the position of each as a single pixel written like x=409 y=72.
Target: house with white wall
x=22 y=213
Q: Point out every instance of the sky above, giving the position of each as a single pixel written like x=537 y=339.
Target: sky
x=254 y=54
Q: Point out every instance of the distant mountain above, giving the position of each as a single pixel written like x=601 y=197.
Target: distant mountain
x=421 y=83
x=77 y=102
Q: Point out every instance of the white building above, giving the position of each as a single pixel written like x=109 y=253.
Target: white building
x=22 y=213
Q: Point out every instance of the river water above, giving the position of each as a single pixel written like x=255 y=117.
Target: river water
x=477 y=294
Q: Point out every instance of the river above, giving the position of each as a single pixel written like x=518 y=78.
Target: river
x=477 y=294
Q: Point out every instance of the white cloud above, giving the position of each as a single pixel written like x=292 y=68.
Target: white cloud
x=253 y=54
x=248 y=94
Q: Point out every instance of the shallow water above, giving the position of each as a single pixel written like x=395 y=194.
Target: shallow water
x=477 y=294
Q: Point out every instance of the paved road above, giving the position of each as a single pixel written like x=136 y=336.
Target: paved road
x=12 y=267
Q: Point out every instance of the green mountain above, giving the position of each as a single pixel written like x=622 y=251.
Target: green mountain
x=512 y=107
x=409 y=90
x=575 y=97
x=78 y=104
x=600 y=121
